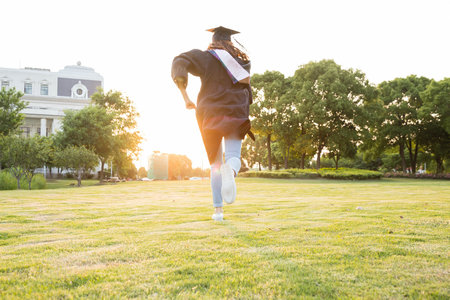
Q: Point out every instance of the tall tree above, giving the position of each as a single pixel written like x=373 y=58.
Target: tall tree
x=435 y=117
x=93 y=128
x=286 y=128
x=127 y=138
x=330 y=101
x=268 y=89
x=11 y=105
x=402 y=126
x=292 y=125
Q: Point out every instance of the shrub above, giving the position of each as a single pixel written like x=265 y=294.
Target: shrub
x=349 y=174
x=7 y=181
x=304 y=173
x=37 y=183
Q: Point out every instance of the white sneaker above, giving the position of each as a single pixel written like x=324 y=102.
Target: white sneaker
x=217 y=217
x=228 y=183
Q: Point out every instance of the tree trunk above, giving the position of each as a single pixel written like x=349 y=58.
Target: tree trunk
x=29 y=183
x=416 y=151
x=18 y=182
x=269 y=152
x=79 y=177
x=336 y=161
x=286 y=158
x=302 y=161
x=439 y=165
x=259 y=166
x=413 y=156
x=101 y=169
x=402 y=156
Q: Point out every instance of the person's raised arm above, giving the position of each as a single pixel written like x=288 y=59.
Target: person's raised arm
x=192 y=62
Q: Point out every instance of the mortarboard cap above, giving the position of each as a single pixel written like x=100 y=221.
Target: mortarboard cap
x=222 y=33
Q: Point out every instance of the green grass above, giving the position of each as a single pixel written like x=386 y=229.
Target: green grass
x=282 y=238
x=69 y=183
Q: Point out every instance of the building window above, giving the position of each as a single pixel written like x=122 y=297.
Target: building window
x=5 y=84
x=25 y=131
x=47 y=131
x=79 y=91
x=44 y=89
x=28 y=88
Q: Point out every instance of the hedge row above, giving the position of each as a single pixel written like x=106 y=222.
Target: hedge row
x=350 y=174
x=331 y=173
x=424 y=175
x=267 y=174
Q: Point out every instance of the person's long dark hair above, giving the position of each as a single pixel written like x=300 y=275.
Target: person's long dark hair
x=230 y=48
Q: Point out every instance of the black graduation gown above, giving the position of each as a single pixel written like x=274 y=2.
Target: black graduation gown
x=222 y=107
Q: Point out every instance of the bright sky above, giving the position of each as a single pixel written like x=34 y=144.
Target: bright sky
x=132 y=44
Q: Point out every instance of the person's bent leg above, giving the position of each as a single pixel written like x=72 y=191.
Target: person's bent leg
x=230 y=168
x=233 y=153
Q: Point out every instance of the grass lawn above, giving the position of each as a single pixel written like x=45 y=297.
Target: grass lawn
x=69 y=183
x=284 y=239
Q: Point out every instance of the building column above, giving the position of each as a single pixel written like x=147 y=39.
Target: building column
x=43 y=127
x=56 y=125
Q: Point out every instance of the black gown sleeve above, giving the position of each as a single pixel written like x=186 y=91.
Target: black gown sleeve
x=193 y=62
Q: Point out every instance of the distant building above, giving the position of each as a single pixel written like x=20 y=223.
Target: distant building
x=50 y=93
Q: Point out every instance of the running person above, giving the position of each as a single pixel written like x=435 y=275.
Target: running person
x=222 y=108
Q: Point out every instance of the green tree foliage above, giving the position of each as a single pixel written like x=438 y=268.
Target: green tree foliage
x=10 y=107
x=123 y=166
x=77 y=159
x=324 y=108
x=435 y=117
x=287 y=122
x=22 y=156
x=330 y=103
x=254 y=152
x=91 y=127
x=127 y=138
x=267 y=91
x=436 y=106
x=402 y=126
x=302 y=150
x=108 y=128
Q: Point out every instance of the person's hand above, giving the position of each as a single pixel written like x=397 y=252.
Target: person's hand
x=187 y=101
x=189 y=104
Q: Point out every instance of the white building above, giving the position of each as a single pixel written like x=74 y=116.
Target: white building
x=49 y=94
